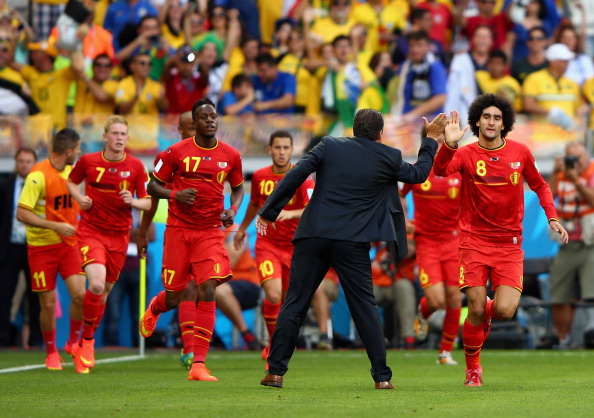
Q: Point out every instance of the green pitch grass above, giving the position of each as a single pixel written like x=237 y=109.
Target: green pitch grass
x=318 y=384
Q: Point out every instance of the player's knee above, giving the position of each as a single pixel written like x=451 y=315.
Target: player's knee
x=504 y=313
x=48 y=306
x=274 y=297
x=436 y=302
x=97 y=287
x=76 y=299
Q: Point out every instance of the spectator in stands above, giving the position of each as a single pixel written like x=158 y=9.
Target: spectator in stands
x=44 y=15
x=422 y=81
x=171 y=17
x=13 y=251
x=537 y=14
x=337 y=23
x=325 y=294
x=496 y=80
x=184 y=84
x=194 y=25
x=374 y=95
x=244 y=62
x=126 y=12
x=240 y=100
x=15 y=97
x=216 y=70
x=580 y=68
x=420 y=20
x=249 y=15
x=588 y=93
x=95 y=96
x=225 y=32
x=140 y=99
x=581 y=16
x=280 y=40
x=461 y=86
x=342 y=82
x=535 y=60
x=549 y=92
x=442 y=21
x=274 y=90
x=500 y=22
x=381 y=19
x=572 y=182
x=149 y=41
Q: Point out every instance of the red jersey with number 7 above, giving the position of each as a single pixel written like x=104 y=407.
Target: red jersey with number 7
x=263 y=183
x=104 y=179
x=492 y=195
x=187 y=165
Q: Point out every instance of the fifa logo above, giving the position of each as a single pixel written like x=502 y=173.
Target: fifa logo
x=62 y=202
x=515 y=178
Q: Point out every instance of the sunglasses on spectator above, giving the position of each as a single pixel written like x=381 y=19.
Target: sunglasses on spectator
x=219 y=14
x=488 y=1
x=196 y=22
x=341 y=3
x=536 y=38
x=102 y=64
x=144 y=63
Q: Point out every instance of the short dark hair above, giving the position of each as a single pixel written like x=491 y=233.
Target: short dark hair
x=341 y=38
x=201 y=102
x=537 y=29
x=27 y=150
x=145 y=18
x=497 y=53
x=239 y=79
x=247 y=39
x=266 y=58
x=368 y=124
x=417 y=13
x=64 y=140
x=418 y=35
x=280 y=134
x=487 y=100
x=100 y=57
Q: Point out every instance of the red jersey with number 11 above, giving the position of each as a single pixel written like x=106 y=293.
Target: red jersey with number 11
x=187 y=165
x=263 y=183
x=492 y=195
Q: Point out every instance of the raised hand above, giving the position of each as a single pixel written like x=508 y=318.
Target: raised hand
x=452 y=131
x=436 y=126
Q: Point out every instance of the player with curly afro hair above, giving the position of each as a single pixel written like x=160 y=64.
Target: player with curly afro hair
x=487 y=100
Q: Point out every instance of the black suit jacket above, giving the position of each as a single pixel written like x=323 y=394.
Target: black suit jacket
x=356 y=195
x=6 y=207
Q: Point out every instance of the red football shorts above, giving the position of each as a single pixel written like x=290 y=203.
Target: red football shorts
x=504 y=264
x=108 y=248
x=47 y=261
x=437 y=258
x=273 y=261
x=198 y=255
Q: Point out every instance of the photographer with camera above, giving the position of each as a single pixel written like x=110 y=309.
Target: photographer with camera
x=572 y=183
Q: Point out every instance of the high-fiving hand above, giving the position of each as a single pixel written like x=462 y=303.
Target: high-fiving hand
x=453 y=133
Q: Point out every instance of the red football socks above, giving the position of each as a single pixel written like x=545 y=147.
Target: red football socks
x=270 y=312
x=187 y=314
x=424 y=309
x=473 y=341
x=75 y=331
x=90 y=313
x=451 y=325
x=159 y=306
x=50 y=340
x=203 y=327
x=100 y=315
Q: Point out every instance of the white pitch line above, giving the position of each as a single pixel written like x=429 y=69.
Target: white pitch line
x=42 y=366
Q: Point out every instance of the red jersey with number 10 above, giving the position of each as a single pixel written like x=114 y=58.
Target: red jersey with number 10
x=186 y=165
x=492 y=196
x=263 y=183
x=104 y=179
x=437 y=204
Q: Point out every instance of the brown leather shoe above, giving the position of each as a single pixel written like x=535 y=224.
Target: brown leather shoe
x=384 y=385
x=272 y=380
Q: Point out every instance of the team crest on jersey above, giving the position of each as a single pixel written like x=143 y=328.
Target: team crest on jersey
x=124 y=174
x=222 y=164
x=514 y=166
x=124 y=185
x=515 y=178
x=221 y=177
x=453 y=192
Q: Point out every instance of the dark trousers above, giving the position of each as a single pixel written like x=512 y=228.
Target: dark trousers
x=126 y=288
x=312 y=257
x=15 y=260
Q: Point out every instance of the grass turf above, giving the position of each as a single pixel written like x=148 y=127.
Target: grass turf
x=517 y=383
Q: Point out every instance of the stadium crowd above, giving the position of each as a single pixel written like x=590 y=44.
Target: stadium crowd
x=72 y=64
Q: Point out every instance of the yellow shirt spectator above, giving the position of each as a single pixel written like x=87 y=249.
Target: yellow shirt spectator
x=270 y=12
x=588 y=91
x=392 y=16
x=12 y=75
x=327 y=29
x=306 y=96
x=507 y=86
x=87 y=105
x=549 y=92
x=49 y=91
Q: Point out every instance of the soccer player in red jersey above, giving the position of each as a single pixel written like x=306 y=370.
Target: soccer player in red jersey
x=436 y=207
x=46 y=207
x=493 y=171
x=274 y=251
x=112 y=177
x=196 y=168
x=187 y=306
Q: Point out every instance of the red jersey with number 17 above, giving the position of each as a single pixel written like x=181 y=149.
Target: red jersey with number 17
x=263 y=183
x=437 y=204
x=104 y=179
x=492 y=196
x=187 y=165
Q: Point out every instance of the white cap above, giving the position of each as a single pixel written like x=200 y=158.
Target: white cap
x=558 y=52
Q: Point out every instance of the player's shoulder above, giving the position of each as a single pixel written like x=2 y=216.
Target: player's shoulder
x=224 y=147
x=262 y=172
x=517 y=146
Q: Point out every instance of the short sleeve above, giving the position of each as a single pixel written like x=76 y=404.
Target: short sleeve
x=77 y=175
x=164 y=167
x=32 y=190
x=235 y=177
x=141 y=181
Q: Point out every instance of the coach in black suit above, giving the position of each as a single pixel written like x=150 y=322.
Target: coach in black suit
x=355 y=202
x=13 y=250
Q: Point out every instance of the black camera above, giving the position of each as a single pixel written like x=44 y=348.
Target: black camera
x=570 y=161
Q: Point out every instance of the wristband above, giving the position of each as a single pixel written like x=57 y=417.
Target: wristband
x=172 y=194
x=234 y=208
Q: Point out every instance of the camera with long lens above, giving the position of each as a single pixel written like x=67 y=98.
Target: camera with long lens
x=570 y=161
